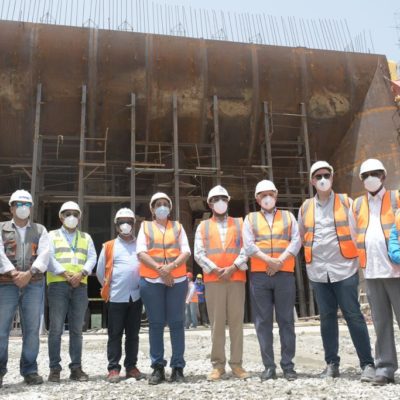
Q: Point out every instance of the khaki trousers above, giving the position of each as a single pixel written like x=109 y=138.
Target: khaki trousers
x=225 y=304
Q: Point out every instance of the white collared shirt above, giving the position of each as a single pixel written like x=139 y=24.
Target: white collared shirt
x=378 y=263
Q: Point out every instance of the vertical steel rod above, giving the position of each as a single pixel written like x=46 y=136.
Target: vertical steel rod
x=216 y=140
x=176 y=154
x=133 y=151
x=267 y=139
x=82 y=145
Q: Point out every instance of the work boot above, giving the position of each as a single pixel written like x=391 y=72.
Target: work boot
x=177 y=375
x=113 y=376
x=331 y=371
x=216 y=374
x=368 y=373
x=135 y=373
x=1 y=381
x=33 y=379
x=157 y=376
x=78 y=375
x=268 y=373
x=240 y=373
x=290 y=374
x=54 y=375
x=381 y=380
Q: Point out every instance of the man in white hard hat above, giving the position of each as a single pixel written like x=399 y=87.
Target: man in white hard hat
x=374 y=215
x=219 y=252
x=271 y=240
x=118 y=274
x=72 y=260
x=24 y=255
x=332 y=268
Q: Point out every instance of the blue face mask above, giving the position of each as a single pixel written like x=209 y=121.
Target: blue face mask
x=162 y=212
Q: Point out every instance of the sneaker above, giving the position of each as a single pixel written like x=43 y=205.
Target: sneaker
x=177 y=375
x=368 y=373
x=54 y=376
x=290 y=374
x=240 y=373
x=135 y=373
x=33 y=379
x=216 y=374
x=78 y=375
x=331 y=371
x=113 y=376
x=157 y=376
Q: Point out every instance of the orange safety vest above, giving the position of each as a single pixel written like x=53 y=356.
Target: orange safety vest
x=272 y=242
x=163 y=248
x=109 y=257
x=341 y=207
x=225 y=256
x=390 y=204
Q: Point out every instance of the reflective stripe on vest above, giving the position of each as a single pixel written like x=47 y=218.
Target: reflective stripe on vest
x=390 y=205
x=71 y=261
x=109 y=262
x=163 y=248
x=221 y=256
x=272 y=242
x=341 y=207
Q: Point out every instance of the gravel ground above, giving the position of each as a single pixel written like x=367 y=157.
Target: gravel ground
x=309 y=363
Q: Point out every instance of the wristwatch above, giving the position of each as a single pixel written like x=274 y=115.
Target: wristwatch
x=34 y=271
x=84 y=272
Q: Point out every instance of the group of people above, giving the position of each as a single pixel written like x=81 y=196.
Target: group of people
x=339 y=236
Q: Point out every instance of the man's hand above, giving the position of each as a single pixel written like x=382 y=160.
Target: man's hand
x=227 y=273
x=218 y=272
x=75 y=279
x=274 y=265
x=168 y=280
x=21 y=278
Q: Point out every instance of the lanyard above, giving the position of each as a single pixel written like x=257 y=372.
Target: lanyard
x=72 y=246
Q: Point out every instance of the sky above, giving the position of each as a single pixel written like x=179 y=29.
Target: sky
x=374 y=20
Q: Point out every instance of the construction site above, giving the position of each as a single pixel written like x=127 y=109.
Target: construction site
x=107 y=115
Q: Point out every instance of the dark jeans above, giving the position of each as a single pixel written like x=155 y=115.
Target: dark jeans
x=65 y=300
x=279 y=292
x=343 y=294
x=123 y=317
x=165 y=306
x=203 y=313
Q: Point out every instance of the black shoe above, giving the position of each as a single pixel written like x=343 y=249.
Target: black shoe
x=331 y=371
x=78 y=375
x=1 y=381
x=381 y=380
x=33 y=379
x=157 y=376
x=177 y=375
x=54 y=376
x=290 y=374
x=268 y=373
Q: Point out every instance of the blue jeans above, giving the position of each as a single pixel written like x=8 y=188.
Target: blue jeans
x=191 y=315
x=343 y=294
x=165 y=306
x=29 y=301
x=64 y=299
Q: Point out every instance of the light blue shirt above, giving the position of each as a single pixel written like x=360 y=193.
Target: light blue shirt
x=125 y=275
x=394 y=245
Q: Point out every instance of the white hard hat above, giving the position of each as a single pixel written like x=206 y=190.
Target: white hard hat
x=263 y=186
x=20 y=195
x=159 y=195
x=124 y=213
x=69 y=205
x=372 y=164
x=218 y=191
x=319 y=165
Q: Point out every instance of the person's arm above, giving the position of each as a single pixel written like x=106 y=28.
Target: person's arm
x=101 y=267
x=394 y=245
x=43 y=252
x=200 y=254
x=295 y=241
x=241 y=260
x=91 y=258
x=54 y=266
x=6 y=266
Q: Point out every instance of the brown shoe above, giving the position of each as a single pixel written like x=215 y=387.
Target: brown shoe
x=135 y=373
x=113 y=376
x=54 y=376
x=240 y=373
x=78 y=375
x=216 y=374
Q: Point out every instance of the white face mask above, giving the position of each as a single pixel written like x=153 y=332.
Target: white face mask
x=71 y=222
x=125 y=229
x=268 y=202
x=162 y=212
x=220 y=207
x=372 y=183
x=323 y=185
x=23 y=212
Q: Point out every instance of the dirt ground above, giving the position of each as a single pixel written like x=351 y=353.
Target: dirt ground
x=309 y=363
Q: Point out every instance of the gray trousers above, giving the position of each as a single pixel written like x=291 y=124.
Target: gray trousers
x=267 y=292
x=384 y=299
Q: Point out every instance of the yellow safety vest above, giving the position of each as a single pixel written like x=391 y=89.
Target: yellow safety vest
x=71 y=260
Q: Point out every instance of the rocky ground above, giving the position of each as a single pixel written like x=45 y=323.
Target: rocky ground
x=309 y=363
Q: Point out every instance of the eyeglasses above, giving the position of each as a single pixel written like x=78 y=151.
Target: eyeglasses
x=21 y=204
x=318 y=177
x=131 y=223
x=69 y=213
x=376 y=174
